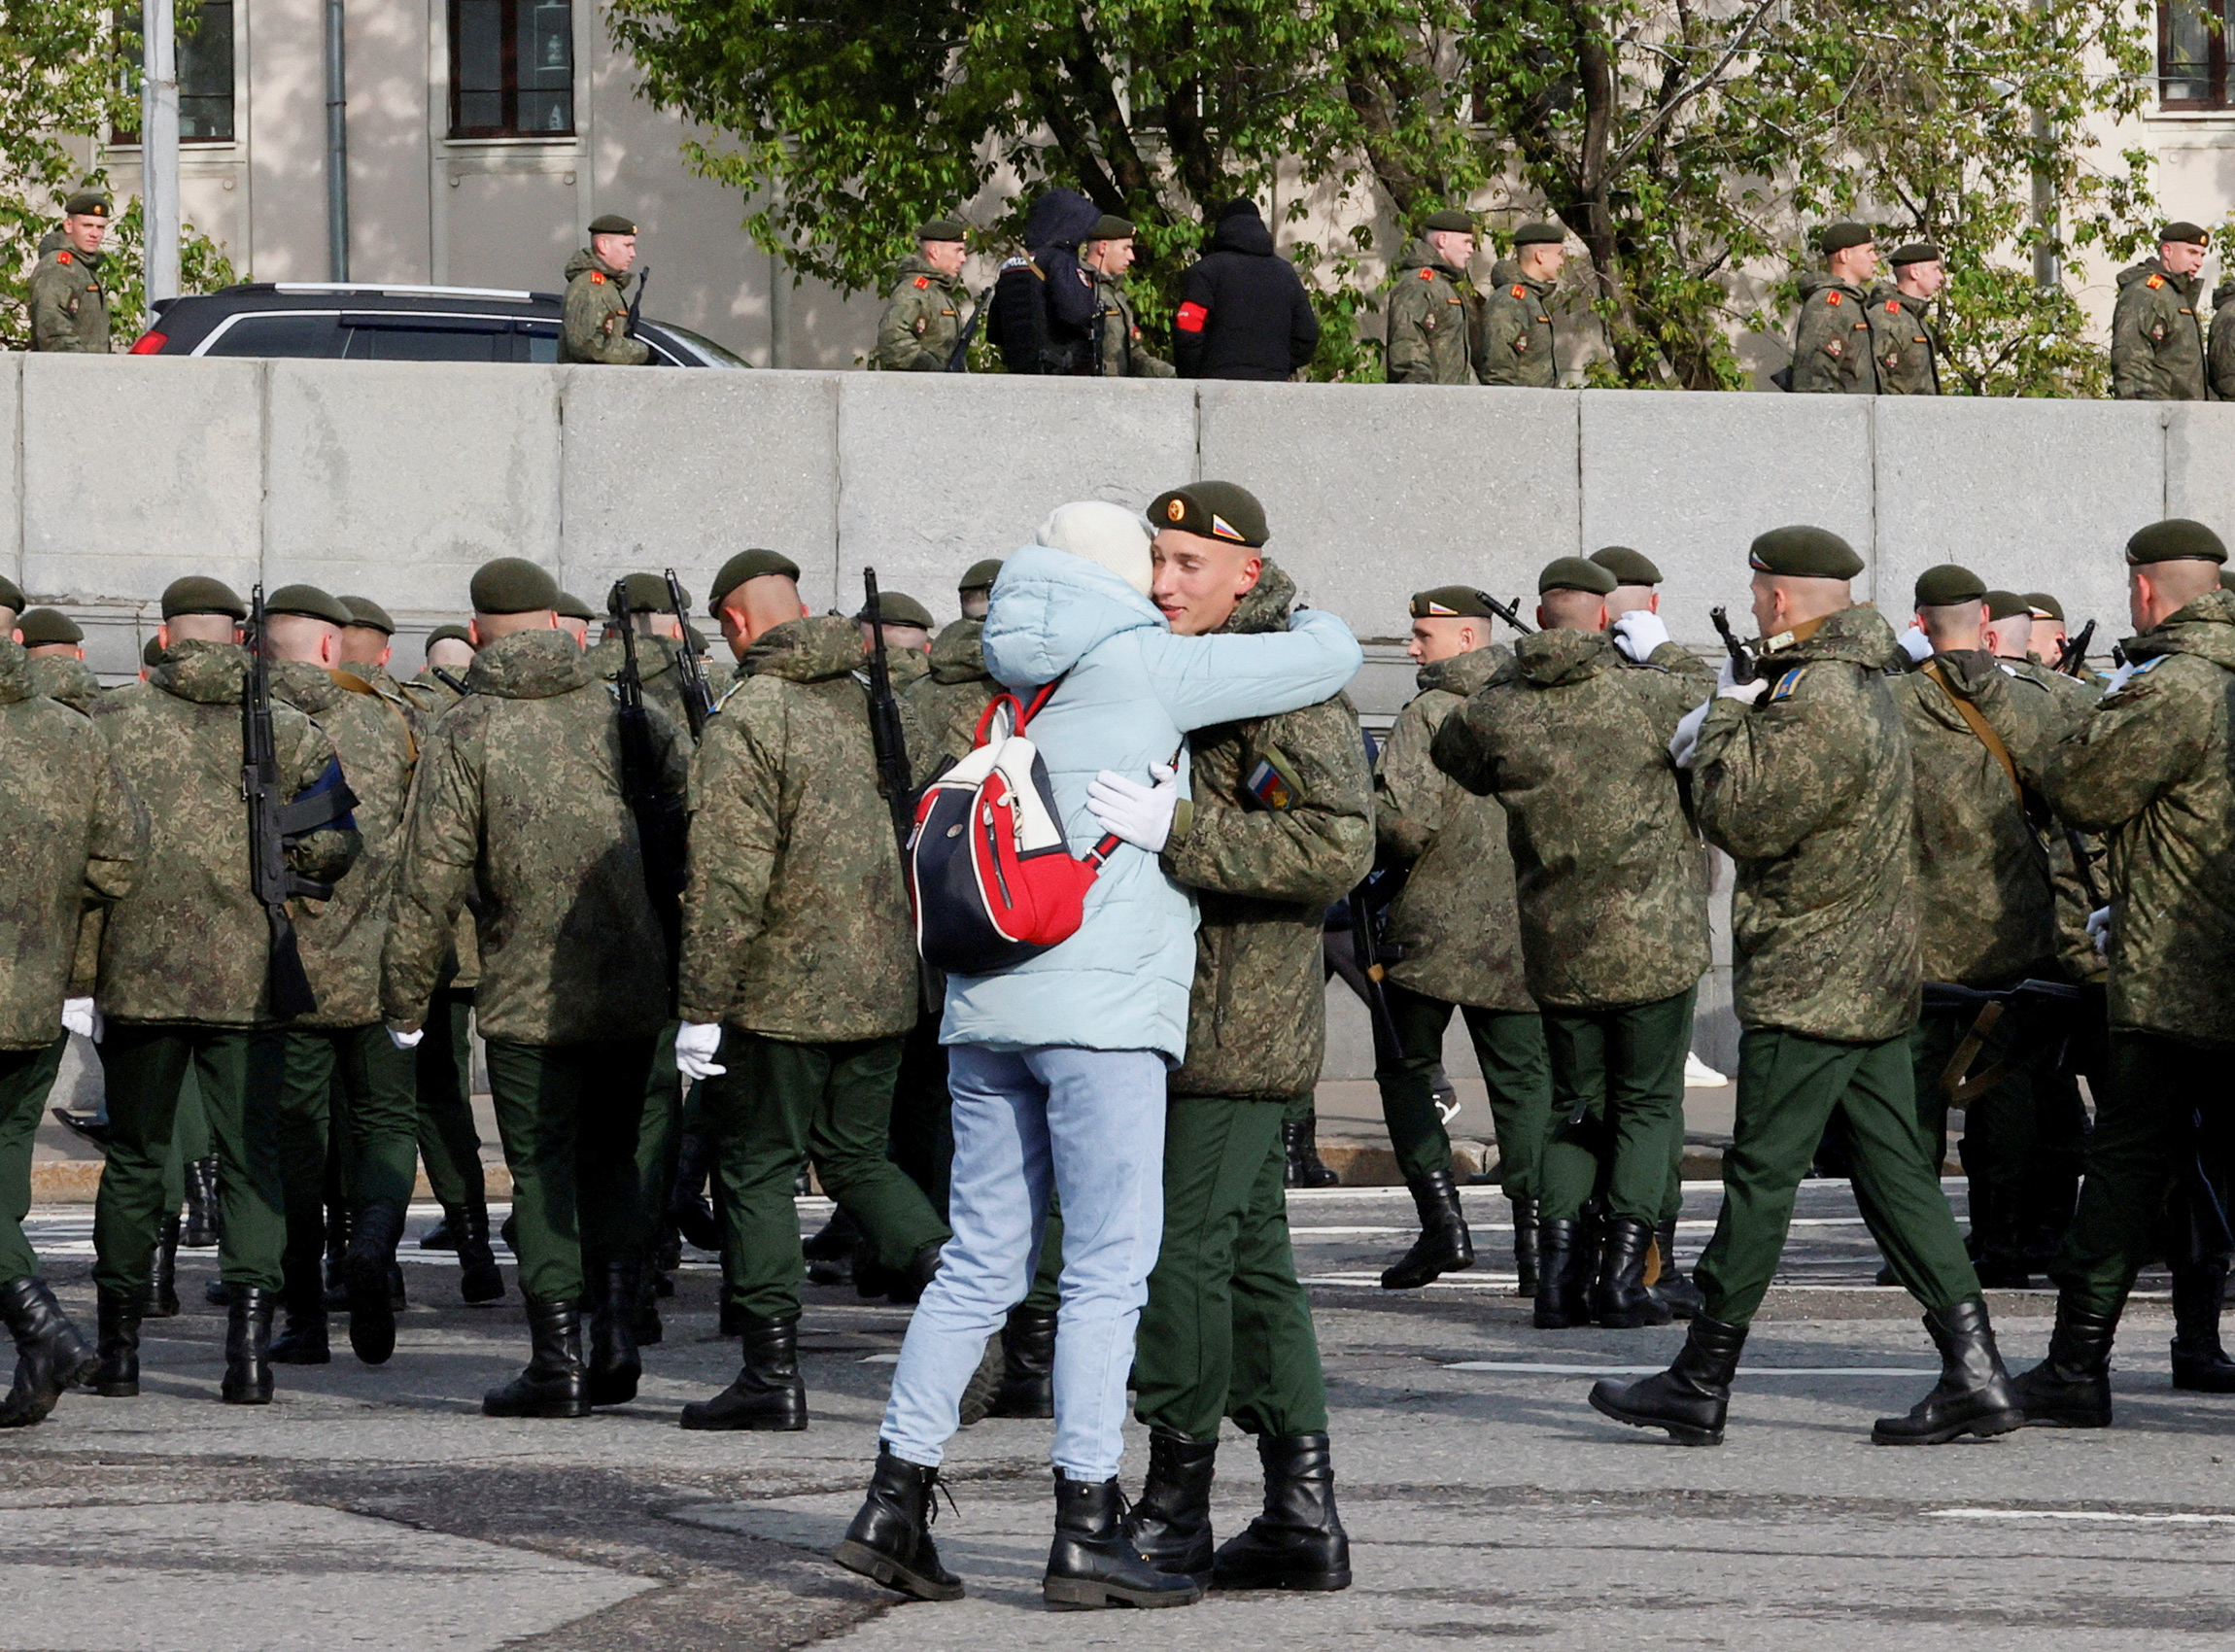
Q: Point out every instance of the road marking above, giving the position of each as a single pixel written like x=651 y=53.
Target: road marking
x=1655 y=1370
x=2081 y=1514
x=879 y=1360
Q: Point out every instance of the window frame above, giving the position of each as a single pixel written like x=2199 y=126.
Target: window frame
x=509 y=89
x=2216 y=100
x=129 y=137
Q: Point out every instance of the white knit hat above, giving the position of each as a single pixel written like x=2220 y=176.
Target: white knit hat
x=1107 y=534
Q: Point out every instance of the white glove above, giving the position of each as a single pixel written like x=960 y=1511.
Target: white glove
x=696 y=1042
x=1140 y=815
x=1915 y=643
x=405 y=1040
x=1685 y=741
x=81 y=1017
x=2099 y=930
x=2117 y=679
x=1639 y=633
x=1727 y=687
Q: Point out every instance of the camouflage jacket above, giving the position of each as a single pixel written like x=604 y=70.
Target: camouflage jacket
x=594 y=322
x=1279 y=825
x=69 y=306
x=518 y=801
x=2154 y=769
x=906 y=666
x=190 y=942
x=2073 y=699
x=795 y=923
x=1832 y=342
x=1513 y=338
x=78 y=838
x=429 y=697
x=656 y=671
x=1454 y=926
x=922 y=319
x=1123 y=353
x=375 y=680
x=1985 y=913
x=1431 y=312
x=2220 y=347
x=946 y=702
x=2157 y=339
x=1808 y=791
x=1612 y=883
x=1907 y=353
x=71 y=681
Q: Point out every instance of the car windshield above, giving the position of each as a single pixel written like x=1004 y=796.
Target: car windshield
x=715 y=354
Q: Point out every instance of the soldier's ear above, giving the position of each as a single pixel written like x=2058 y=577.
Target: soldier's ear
x=17 y=634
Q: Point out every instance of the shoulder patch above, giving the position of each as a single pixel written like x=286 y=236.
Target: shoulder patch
x=1428 y=275
x=1273 y=784
x=922 y=281
x=1786 y=684
x=596 y=278
x=1893 y=306
x=1518 y=291
x=61 y=258
x=2154 y=281
x=1833 y=299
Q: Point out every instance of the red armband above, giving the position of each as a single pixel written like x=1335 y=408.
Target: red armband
x=1192 y=316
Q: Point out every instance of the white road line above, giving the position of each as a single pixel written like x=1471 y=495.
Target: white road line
x=1744 y=1371
x=2081 y=1514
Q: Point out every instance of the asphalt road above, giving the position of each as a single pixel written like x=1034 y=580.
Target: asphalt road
x=1485 y=1499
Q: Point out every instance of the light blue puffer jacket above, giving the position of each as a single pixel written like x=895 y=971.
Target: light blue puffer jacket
x=1134 y=690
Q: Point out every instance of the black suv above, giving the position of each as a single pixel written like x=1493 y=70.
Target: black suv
x=367 y=321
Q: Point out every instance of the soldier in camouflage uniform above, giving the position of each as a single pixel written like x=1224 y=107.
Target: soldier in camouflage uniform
x=1118 y=353
x=594 y=322
x=1901 y=330
x=2219 y=343
x=69 y=305
x=976 y=591
x=1433 y=310
x=184 y=977
x=1801 y=776
x=56 y=646
x=659 y=642
x=1834 y=349
x=519 y=803
x=2156 y=336
x=923 y=308
x=1513 y=340
x=435 y=688
x=906 y=626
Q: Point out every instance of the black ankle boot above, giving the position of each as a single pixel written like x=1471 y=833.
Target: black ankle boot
x=890 y=1538
x=1680 y=1293
x=205 y=1223
x=1093 y=1562
x=2071 y=1388
x=302 y=1294
x=1692 y=1398
x=648 y=1328
x=2200 y=1365
x=1620 y=1299
x=554 y=1383
x=615 y=1366
x=1300 y=1150
x=1298 y=1542
x=1561 y=1299
x=443 y=1235
x=1444 y=1245
x=768 y=1395
x=247 y=1377
x=50 y=1354
x=1027 y=1365
x=830 y=1250
x=117 y=1341
x=479 y=1277
x=373 y=1235
x=1973 y=1395
x=159 y=1300
x=337 y=1259
x=1170 y=1524
x=1525 y=1252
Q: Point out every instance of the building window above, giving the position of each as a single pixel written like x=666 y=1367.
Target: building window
x=2193 y=54
x=205 y=49
x=511 y=69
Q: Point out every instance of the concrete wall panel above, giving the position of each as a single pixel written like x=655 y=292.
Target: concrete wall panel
x=2200 y=463
x=11 y=464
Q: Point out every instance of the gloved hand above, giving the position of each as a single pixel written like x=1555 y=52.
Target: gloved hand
x=1685 y=741
x=2099 y=930
x=1639 y=633
x=1915 y=643
x=81 y=1017
x=696 y=1042
x=2117 y=679
x=1727 y=687
x=1140 y=815
x=405 y=1040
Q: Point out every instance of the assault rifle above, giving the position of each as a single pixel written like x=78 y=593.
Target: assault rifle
x=886 y=733
x=636 y=304
x=958 y=358
x=661 y=829
x=697 y=698
x=1510 y=612
x=1742 y=665
x=2073 y=654
x=456 y=685
x=2052 y=1001
x=1366 y=904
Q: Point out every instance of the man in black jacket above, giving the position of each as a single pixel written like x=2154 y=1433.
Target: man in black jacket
x=1244 y=313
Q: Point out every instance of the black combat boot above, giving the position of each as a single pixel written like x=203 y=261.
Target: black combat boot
x=2200 y=1365
x=906 y=1287
x=1562 y=1300
x=302 y=1294
x=830 y=1251
x=443 y=1235
x=1692 y=1398
x=373 y=1236
x=1444 y=1246
x=1302 y=1167
x=337 y=1259
x=652 y=1284
x=1973 y=1395
x=615 y=1366
x=117 y=1338
x=248 y=1379
x=554 y=1383
x=479 y=1277
x=768 y=1395
x=1027 y=1365
x=159 y=1296
x=688 y=1206
x=1170 y=1524
x=1680 y=1293
x=1620 y=1299
x=50 y=1354
x=1093 y=1562
x=2071 y=1388
x=890 y=1540
x=1298 y=1542
x=205 y=1222
x=1525 y=1257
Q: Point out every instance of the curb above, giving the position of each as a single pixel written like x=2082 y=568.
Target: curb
x=78 y=1182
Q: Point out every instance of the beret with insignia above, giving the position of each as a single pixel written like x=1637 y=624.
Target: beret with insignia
x=1803 y=552
x=1454 y=219
x=1111 y=227
x=1452 y=601
x=574 y=608
x=745 y=565
x=611 y=224
x=2180 y=229
x=1838 y=237
x=2007 y=604
x=1217 y=510
x=43 y=627
x=1629 y=566
x=2176 y=540
x=1914 y=253
x=2044 y=606
x=1948 y=584
x=943 y=229
x=893 y=608
x=513 y=585
x=309 y=603
x=453 y=633
x=87 y=203
x=365 y=612
x=1575 y=574
x=980 y=574
x=199 y=595
x=1539 y=234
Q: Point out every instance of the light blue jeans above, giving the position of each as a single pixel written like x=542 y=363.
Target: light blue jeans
x=1091 y=1124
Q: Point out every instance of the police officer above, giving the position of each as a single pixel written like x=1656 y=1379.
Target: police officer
x=1907 y=353
x=1514 y=343
x=1834 y=351
x=1118 y=353
x=2156 y=336
x=1433 y=310
x=594 y=326
x=923 y=309
x=69 y=305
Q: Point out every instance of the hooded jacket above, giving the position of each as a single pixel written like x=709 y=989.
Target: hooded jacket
x=1244 y=313
x=1433 y=316
x=71 y=681
x=594 y=320
x=2157 y=337
x=1833 y=350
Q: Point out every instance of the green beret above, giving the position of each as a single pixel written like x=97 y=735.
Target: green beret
x=1450 y=602
x=2044 y=607
x=2196 y=235
x=11 y=594
x=943 y=229
x=195 y=595
x=609 y=224
x=1575 y=574
x=448 y=633
x=647 y=594
x=745 y=565
x=309 y=601
x=44 y=626
x=1808 y=553
x=1629 y=566
x=87 y=203
x=980 y=574
x=1452 y=219
x=1540 y=233
x=1916 y=253
x=368 y=615
x=1111 y=227
x=2176 y=540
x=2007 y=604
x=1948 y=584
x=1838 y=237
x=151 y=653
x=893 y=608
x=571 y=606
x=1217 y=510
x=513 y=585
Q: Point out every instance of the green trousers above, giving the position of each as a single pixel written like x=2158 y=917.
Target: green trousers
x=449 y=1144
x=1227 y=1330
x=831 y=1102
x=26 y=1077
x=1998 y=1127
x=1617 y=1099
x=1788 y=1085
x=660 y=1137
x=144 y=1064
x=567 y=1115
x=1509 y=1047
x=348 y=1088
x=923 y=1126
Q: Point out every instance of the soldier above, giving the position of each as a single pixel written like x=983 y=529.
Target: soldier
x=2150 y=767
x=1907 y=353
x=1106 y=257
x=976 y=591
x=794 y=857
x=922 y=319
x=1433 y=309
x=1454 y=932
x=1801 y=776
x=2156 y=338
x=183 y=976
x=947 y=700
x=1279 y=823
x=659 y=644
x=11 y=602
x=2220 y=344
x=594 y=326
x=56 y=647
x=907 y=625
x=1613 y=907
x=521 y=802
x=69 y=305
x=440 y=682
x=1634 y=615
x=1834 y=349
x=2007 y=631
x=1514 y=343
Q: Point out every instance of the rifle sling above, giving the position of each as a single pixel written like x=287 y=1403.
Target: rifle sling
x=1956 y=1077
x=1980 y=726
x=315 y=808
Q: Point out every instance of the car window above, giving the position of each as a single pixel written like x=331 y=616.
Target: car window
x=437 y=338
x=289 y=334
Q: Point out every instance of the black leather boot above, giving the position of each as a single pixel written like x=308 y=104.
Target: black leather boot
x=205 y=1222
x=652 y=1284
x=302 y=1294
x=50 y=1354
x=117 y=1338
x=1093 y=1562
x=373 y=1235
x=1444 y=1246
x=554 y=1383
x=1170 y=1524
x=1298 y=1542
x=1973 y=1395
x=1525 y=1254
x=1562 y=1300
x=1300 y=1150
x=479 y=1277
x=443 y=1235
x=909 y=1286
x=1027 y=1365
x=1620 y=1299
x=768 y=1395
x=2071 y=1388
x=890 y=1538
x=1692 y=1398
x=248 y=1379
x=159 y=1298
x=336 y=1258
x=830 y=1250
x=615 y=1366
x=1680 y=1293
x=2200 y=1365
